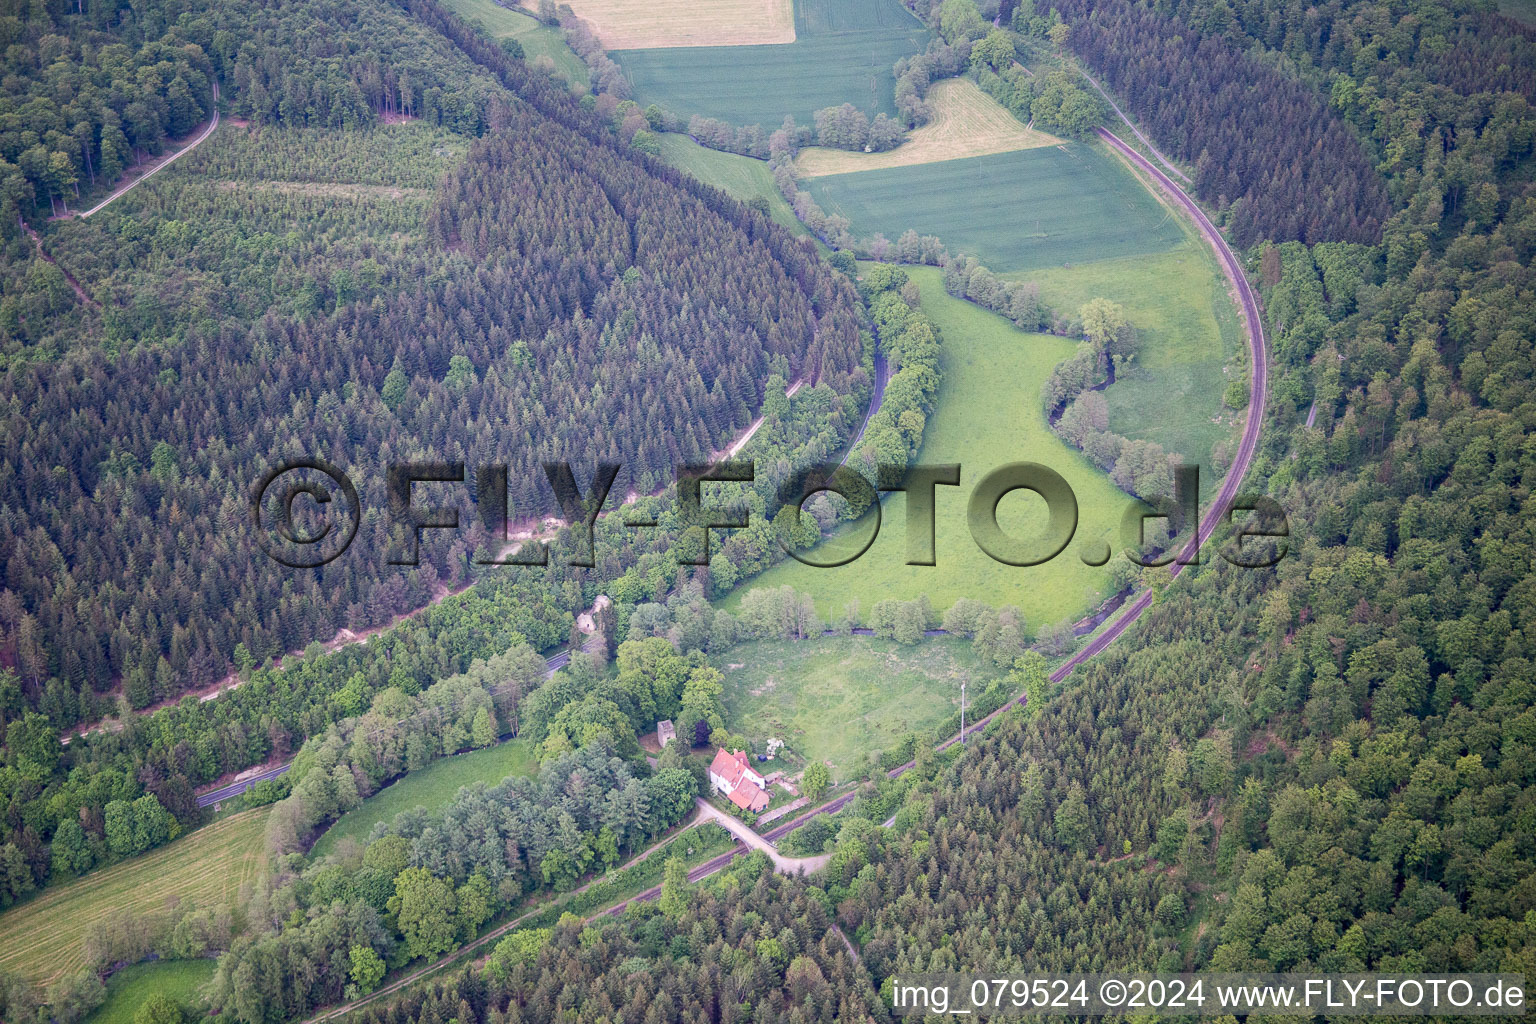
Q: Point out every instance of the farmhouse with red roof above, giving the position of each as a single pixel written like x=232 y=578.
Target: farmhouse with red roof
x=731 y=773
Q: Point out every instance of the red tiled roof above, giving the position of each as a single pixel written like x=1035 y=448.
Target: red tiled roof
x=730 y=766
x=749 y=798
x=734 y=768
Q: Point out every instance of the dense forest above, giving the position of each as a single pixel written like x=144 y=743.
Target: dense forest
x=755 y=946
x=463 y=275
x=1263 y=144
x=539 y=277
x=431 y=879
x=1323 y=766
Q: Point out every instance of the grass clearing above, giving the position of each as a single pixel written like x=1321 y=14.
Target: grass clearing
x=537 y=39
x=649 y=24
x=843 y=52
x=839 y=698
x=739 y=176
x=43 y=939
x=432 y=787
x=966 y=122
x=129 y=987
x=1189 y=331
x=1045 y=207
x=989 y=414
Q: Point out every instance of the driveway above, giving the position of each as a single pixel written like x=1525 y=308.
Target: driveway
x=781 y=863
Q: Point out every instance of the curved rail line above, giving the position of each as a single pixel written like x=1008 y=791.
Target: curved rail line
x=1216 y=514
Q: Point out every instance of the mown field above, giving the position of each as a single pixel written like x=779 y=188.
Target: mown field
x=966 y=122
x=537 y=40
x=989 y=413
x=1188 y=329
x=128 y=988
x=44 y=939
x=1034 y=208
x=839 y=698
x=843 y=53
x=433 y=786
x=641 y=24
x=740 y=176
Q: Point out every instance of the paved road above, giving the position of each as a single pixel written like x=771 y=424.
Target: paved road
x=234 y=789
x=874 y=401
x=785 y=864
x=183 y=151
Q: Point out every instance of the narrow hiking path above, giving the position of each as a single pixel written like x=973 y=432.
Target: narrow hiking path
x=37 y=241
x=163 y=164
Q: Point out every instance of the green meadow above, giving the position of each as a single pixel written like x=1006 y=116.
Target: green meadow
x=1047 y=207
x=180 y=980
x=837 y=699
x=43 y=939
x=988 y=414
x=537 y=40
x=740 y=176
x=1188 y=330
x=432 y=787
x=843 y=52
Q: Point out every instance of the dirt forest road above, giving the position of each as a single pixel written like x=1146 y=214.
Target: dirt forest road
x=162 y=165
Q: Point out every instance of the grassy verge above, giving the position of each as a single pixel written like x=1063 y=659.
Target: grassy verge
x=43 y=939
x=839 y=699
x=432 y=786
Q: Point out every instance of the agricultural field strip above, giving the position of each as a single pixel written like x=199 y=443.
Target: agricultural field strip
x=1028 y=209
x=843 y=52
x=43 y=939
x=647 y=24
x=966 y=122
